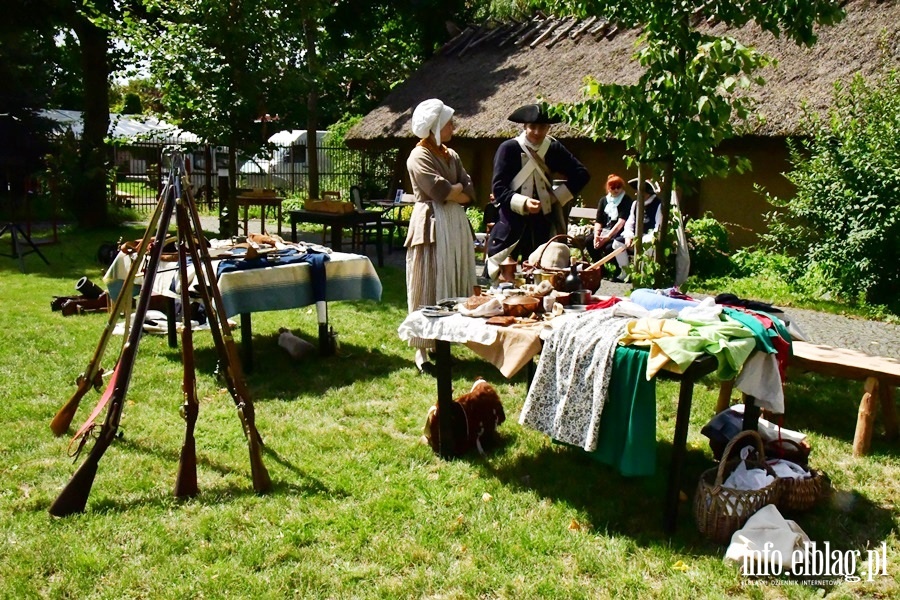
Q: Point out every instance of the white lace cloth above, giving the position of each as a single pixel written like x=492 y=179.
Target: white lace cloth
x=455 y=328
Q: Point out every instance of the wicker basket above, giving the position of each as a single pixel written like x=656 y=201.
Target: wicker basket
x=590 y=280
x=786 y=449
x=797 y=495
x=721 y=511
x=328 y=206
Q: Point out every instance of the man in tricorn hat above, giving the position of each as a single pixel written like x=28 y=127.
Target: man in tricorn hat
x=531 y=208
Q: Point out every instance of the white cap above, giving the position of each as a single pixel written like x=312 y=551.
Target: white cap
x=430 y=116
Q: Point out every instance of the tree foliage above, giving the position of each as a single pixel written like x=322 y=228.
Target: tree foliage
x=223 y=67
x=843 y=224
x=691 y=94
x=88 y=21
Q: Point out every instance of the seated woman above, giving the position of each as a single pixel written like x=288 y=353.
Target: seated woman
x=652 y=221
x=612 y=213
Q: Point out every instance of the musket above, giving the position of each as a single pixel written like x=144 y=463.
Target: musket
x=92 y=375
x=186 y=476
x=73 y=497
x=225 y=346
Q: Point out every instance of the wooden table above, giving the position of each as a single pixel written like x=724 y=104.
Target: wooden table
x=396 y=223
x=264 y=202
x=702 y=366
x=281 y=287
x=337 y=222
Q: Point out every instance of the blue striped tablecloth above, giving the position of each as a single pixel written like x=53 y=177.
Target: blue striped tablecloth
x=348 y=277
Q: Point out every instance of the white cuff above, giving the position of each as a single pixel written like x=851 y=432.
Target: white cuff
x=517 y=204
x=563 y=194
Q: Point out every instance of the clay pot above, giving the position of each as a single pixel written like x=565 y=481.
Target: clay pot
x=508 y=269
x=520 y=306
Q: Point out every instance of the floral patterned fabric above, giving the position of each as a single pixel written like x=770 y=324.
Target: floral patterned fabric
x=572 y=380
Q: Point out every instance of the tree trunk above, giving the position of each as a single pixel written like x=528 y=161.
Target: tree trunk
x=90 y=189
x=665 y=196
x=312 y=101
x=228 y=204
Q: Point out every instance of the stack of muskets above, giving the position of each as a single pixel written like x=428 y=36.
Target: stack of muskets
x=174 y=199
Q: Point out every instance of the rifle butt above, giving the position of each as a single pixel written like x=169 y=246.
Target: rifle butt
x=73 y=498
x=186 y=479
x=262 y=483
x=63 y=418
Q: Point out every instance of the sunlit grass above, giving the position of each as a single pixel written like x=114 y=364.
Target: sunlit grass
x=359 y=508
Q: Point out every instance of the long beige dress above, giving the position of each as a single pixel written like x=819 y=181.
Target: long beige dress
x=440 y=256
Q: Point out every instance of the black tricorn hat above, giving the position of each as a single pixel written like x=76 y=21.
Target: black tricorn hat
x=649 y=190
x=532 y=113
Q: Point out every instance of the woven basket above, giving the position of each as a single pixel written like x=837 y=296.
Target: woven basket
x=797 y=495
x=328 y=206
x=788 y=450
x=721 y=511
x=590 y=280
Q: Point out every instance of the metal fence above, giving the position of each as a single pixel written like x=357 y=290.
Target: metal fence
x=139 y=169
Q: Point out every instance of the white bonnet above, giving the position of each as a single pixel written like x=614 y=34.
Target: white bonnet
x=430 y=116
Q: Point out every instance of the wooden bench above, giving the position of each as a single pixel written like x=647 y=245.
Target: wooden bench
x=580 y=212
x=880 y=375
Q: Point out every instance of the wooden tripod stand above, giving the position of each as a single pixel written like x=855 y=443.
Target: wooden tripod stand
x=15 y=231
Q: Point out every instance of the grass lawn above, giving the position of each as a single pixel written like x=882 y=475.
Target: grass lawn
x=359 y=508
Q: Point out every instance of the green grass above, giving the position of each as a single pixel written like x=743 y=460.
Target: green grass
x=359 y=508
x=776 y=289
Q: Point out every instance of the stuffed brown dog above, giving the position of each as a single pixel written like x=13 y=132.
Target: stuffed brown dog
x=476 y=416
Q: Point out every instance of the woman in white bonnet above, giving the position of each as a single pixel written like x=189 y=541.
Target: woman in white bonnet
x=440 y=256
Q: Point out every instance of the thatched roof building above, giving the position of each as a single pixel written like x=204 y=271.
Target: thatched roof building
x=485 y=72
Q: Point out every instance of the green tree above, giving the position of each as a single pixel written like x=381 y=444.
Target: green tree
x=89 y=22
x=146 y=96
x=221 y=67
x=25 y=74
x=690 y=96
x=843 y=224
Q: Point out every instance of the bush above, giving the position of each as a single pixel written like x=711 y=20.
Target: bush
x=843 y=225
x=476 y=218
x=752 y=262
x=708 y=241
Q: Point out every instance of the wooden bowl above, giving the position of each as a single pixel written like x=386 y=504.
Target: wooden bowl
x=520 y=306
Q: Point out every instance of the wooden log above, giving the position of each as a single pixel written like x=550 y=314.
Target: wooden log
x=862 y=439
x=888 y=410
x=725 y=389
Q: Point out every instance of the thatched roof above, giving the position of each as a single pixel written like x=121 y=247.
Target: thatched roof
x=485 y=72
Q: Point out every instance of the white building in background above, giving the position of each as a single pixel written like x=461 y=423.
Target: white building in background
x=138 y=141
x=286 y=166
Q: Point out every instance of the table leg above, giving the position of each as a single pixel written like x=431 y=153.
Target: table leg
x=278 y=211
x=888 y=410
x=170 y=323
x=246 y=341
x=246 y=211
x=262 y=219
x=379 y=250
x=443 y=373
x=751 y=414
x=293 y=230
x=679 y=443
x=337 y=232
x=327 y=345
